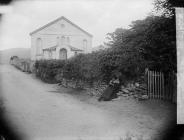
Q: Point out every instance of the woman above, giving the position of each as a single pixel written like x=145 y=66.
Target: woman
x=110 y=92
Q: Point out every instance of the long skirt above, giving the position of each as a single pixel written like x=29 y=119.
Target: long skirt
x=108 y=94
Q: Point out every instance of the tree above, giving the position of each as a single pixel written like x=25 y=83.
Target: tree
x=150 y=43
x=166 y=7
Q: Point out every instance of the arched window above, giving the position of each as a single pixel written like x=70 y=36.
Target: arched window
x=50 y=54
x=63 y=54
x=68 y=40
x=84 y=44
x=39 y=46
x=57 y=41
x=62 y=40
x=75 y=54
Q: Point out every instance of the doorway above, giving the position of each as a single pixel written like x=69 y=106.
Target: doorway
x=63 y=54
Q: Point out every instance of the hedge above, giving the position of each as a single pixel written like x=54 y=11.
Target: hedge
x=96 y=66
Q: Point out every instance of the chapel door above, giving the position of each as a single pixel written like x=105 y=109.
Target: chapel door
x=63 y=54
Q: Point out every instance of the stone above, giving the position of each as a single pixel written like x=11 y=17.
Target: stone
x=125 y=95
x=125 y=90
x=144 y=97
x=122 y=87
x=119 y=93
x=136 y=96
x=131 y=93
x=137 y=84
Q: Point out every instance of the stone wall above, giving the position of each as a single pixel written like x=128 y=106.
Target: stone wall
x=136 y=90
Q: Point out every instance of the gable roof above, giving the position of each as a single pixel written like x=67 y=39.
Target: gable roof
x=51 y=48
x=74 y=48
x=58 y=19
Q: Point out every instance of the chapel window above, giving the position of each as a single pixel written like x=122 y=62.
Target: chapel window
x=68 y=40
x=62 y=40
x=75 y=53
x=84 y=44
x=39 y=46
x=57 y=40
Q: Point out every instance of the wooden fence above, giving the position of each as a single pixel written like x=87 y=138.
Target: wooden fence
x=160 y=86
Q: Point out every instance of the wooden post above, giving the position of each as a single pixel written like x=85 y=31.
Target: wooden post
x=156 y=94
x=154 y=83
x=151 y=84
x=163 y=87
x=157 y=85
x=160 y=77
x=148 y=83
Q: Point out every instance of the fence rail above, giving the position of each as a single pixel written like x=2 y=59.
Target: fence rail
x=160 y=86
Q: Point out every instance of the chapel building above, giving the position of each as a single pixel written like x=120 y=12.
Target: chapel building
x=59 y=39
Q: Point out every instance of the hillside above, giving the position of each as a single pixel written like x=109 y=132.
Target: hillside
x=20 y=52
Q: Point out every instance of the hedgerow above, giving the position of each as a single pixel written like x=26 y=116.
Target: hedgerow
x=48 y=69
x=96 y=66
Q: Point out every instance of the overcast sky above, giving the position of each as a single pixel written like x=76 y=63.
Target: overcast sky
x=97 y=17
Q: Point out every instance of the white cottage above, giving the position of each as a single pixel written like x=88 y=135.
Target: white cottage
x=59 y=39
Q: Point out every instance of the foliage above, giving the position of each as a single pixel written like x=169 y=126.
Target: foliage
x=148 y=43
x=48 y=69
x=82 y=67
x=96 y=66
x=166 y=7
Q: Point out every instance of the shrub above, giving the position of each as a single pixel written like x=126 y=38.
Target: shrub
x=48 y=69
x=96 y=66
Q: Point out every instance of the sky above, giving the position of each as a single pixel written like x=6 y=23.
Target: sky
x=98 y=17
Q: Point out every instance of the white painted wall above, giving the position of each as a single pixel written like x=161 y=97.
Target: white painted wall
x=52 y=35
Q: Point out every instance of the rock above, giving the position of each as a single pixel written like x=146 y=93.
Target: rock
x=131 y=93
x=119 y=93
x=130 y=89
x=142 y=87
x=125 y=91
x=132 y=86
x=137 y=84
x=139 y=90
x=129 y=85
x=136 y=96
x=122 y=87
x=125 y=95
x=144 y=97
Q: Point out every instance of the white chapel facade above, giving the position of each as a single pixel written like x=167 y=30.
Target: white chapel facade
x=59 y=39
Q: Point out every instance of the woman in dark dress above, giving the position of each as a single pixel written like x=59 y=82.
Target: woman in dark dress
x=110 y=92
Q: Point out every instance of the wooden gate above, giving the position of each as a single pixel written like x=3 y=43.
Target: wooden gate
x=160 y=86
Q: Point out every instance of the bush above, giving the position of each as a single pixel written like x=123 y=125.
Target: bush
x=96 y=66
x=48 y=69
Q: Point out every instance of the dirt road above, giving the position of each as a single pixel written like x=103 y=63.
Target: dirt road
x=40 y=111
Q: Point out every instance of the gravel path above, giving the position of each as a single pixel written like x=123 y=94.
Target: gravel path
x=47 y=112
